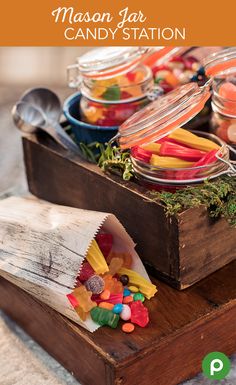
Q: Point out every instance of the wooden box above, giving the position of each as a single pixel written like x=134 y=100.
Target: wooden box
x=180 y=250
x=183 y=328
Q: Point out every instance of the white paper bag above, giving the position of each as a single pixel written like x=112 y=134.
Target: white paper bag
x=43 y=246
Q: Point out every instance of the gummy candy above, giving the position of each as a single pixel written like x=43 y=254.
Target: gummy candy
x=105 y=294
x=171 y=149
x=146 y=287
x=96 y=258
x=127 y=257
x=72 y=300
x=104 y=242
x=112 y=284
x=95 y=284
x=139 y=314
x=188 y=138
x=168 y=162
x=84 y=298
x=81 y=313
x=104 y=317
x=115 y=265
x=86 y=272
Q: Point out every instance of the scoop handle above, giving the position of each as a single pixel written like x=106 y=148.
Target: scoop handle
x=61 y=137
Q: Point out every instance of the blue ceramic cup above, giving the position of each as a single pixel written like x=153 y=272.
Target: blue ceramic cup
x=85 y=132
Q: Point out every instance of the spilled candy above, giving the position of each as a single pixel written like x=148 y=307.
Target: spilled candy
x=103 y=293
x=139 y=314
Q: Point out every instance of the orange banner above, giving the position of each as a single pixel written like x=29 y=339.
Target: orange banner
x=117 y=22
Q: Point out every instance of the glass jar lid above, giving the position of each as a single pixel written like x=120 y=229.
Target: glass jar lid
x=110 y=61
x=163 y=116
x=106 y=62
x=221 y=64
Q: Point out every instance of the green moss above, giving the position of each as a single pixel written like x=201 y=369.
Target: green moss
x=218 y=196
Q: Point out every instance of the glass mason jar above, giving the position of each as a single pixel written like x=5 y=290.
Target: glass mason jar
x=115 y=82
x=221 y=67
x=158 y=123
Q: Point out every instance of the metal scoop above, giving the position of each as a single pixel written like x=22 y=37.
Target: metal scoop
x=40 y=108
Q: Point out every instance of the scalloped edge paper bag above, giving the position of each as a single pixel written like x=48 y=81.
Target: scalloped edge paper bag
x=43 y=246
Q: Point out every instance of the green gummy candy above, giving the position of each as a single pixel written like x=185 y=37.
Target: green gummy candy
x=104 y=317
x=112 y=93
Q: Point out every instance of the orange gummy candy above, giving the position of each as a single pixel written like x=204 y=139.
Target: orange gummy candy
x=112 y=284
x=84 y=298
x=115 y=265
x=82 y=314
x=127 y=258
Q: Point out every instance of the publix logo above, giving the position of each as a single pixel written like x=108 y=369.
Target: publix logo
x=216 y=366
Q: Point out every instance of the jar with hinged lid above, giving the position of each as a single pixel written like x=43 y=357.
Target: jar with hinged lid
x=222 y=66
x=115 y=82
x=164 y=154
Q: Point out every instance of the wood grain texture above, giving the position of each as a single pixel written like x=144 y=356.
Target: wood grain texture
x=184 y=327
x=180 y=250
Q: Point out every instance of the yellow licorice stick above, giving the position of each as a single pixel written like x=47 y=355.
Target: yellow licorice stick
x=189 y=139
x=153 y=147
x=169 y=162
x=96 y=258
x=145 y=287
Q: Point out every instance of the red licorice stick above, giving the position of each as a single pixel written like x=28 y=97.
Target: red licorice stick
x=141 y=154
x=208 y=158
x=105 y=242
x=114 y=298
x=171 y=149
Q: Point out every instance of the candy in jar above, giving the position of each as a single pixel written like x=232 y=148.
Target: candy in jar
x=113 y=84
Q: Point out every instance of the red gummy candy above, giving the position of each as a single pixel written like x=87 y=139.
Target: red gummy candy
x=131 y=76
x=155 y=69
x=72 y=300
x=139 y=314
x=105 y=242
x=86 y=272
x=125 y=95
x=165 y=86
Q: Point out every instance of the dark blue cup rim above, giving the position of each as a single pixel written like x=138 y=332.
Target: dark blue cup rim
x=72 y=120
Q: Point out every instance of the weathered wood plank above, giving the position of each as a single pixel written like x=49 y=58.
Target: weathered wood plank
x=183 y=328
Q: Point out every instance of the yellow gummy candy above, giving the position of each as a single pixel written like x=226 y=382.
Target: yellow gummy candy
x=188 y=138
x=169 y=162
x=96 y=258
x=93 y=114
x=145 y=287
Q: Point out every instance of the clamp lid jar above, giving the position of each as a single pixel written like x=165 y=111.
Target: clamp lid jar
x=114 y=82
x=162 y=153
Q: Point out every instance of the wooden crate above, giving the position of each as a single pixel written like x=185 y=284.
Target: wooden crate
x=184 y=327
x=181 y=250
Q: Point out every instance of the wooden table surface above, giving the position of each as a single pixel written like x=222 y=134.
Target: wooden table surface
x=12 y=180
